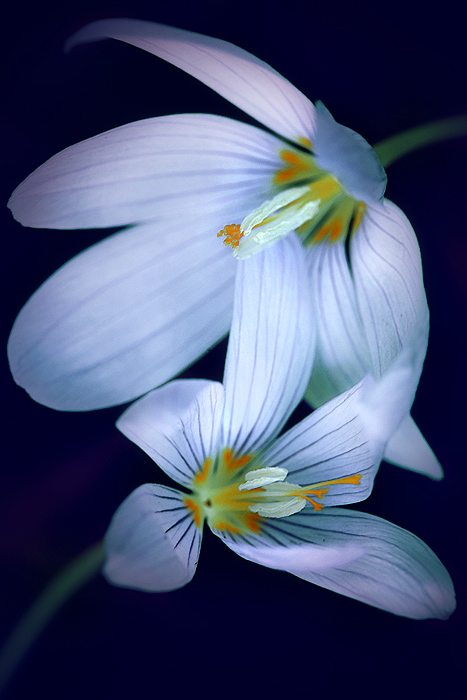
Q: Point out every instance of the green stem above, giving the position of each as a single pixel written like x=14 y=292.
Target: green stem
x=394 y=147
x=59 y=590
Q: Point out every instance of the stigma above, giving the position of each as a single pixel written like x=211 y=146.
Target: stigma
x=310 y=201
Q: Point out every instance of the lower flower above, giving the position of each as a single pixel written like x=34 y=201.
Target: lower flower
x=271 y=499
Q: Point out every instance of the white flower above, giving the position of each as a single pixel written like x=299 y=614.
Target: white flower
x=269 y=498
x=134 y=310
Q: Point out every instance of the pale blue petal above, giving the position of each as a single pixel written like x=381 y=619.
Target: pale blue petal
x=357 y=555
x=152 y=543
x=344 y=153
x=332 y=443
x=342 y=355
x=181 y=165
x=408 y=448
x=177 y=425
x=386 y=267
x=237 y=75
x=271 y=345
x=124 y=316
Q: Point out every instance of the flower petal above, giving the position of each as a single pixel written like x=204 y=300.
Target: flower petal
x=408 y=448
x=271 y=345
x=124 y=316
x=332 y=443
x=386 y=267
x=235 y=74
x=357 y=555
x=345 y=153
x=342 y=354
x=152 y=542
x=166 y=167
x=177 y=425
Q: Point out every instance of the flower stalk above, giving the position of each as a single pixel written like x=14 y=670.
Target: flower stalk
x=73 y=577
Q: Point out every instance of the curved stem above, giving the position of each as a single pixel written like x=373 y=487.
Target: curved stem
x=395 y=147
x=59 y=590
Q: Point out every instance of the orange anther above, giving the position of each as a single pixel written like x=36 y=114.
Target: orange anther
x=232 y=235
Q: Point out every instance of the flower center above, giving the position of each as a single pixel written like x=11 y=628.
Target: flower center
x=235 y=493
x=311 y=201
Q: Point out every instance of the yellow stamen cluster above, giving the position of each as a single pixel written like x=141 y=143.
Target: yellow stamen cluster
x=335 y=216
x=234 y=493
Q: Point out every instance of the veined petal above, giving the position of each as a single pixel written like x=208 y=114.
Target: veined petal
x=167 y=167
x=152 y=542
x=343 y=152
x=342 y=354
x=408 y=448
x=271 y=345
x=357 y=555
x=177 y=425
x=124 y=316
x=386 y=268
x=333 y=443
x=235 y=74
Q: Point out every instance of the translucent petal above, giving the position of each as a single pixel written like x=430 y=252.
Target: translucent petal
x=357 y=555
x=386 y=267
x=124 y=316
x=177 y=425
x=152 y=542
x=408 y=448
x=167 y=167
x=342 y=355
x=345 y=153
x=332 y=443
x=235 y=74
x=271 y=345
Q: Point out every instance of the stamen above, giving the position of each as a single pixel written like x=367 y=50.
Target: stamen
x=263 y=477
x=232 y=235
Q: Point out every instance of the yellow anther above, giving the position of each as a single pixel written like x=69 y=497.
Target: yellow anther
x=232 y=235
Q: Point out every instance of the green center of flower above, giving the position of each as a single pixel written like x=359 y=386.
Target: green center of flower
x=234 y=493
x=311 y=201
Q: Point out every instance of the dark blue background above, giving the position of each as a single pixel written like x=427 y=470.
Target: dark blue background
x=379 y=69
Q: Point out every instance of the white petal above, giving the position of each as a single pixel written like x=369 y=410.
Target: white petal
x=177 y=425
x=357 y=555
x=234 y=73
x=271 y=345
x=165 y=167
x=408 y=448
x=345 y=153
x=152 y=542
x=386 y=267
x=332 y=443
x=124 y=316
x=342 y=355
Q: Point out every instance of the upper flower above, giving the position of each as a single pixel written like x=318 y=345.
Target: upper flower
x=269 y=497
x=136 y=309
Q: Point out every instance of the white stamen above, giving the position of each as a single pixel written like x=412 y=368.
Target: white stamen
x=279 y=509
x=285 y=217
x=262 y=477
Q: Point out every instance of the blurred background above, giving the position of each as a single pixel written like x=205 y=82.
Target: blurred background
x=380 y=69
